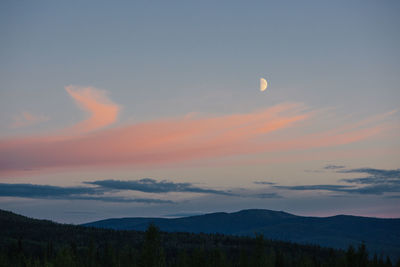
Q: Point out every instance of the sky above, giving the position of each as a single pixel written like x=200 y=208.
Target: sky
x=134 y=108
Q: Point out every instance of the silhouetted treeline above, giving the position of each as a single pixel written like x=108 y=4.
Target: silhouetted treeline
x=29 y=242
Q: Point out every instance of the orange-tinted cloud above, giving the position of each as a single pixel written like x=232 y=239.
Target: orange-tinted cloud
x=176 y=140
x=154 y=142
x=102 y=111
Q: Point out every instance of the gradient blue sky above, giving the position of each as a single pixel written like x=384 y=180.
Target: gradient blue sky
x=337 y=62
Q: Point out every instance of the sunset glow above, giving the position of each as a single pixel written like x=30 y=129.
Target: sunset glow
x=146 y=109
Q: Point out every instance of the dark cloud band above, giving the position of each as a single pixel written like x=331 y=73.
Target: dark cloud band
x=69 y=193
x=149 y=185
x=377 y=182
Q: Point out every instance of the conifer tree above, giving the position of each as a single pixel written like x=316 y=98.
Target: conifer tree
x=152 y=252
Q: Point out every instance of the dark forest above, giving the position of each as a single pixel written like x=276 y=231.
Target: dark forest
x=31 y=242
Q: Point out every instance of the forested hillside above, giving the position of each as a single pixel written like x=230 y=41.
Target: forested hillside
x=381 y=236
x=31 y=242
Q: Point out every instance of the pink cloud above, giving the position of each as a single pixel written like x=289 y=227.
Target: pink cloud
x=278 y=128
x=102 y=111
x=155 y=142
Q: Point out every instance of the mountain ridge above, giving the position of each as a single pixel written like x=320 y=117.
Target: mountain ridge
x=381 y=235
x=27 y=241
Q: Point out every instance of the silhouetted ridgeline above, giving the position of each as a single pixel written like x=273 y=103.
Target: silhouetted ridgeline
x=31 y=242
x=381 y=236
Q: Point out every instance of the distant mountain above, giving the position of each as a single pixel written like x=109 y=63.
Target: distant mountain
x=381 y=236
x=32 y=242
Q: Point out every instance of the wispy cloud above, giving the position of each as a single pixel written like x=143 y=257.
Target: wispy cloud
x=35 y=191
x=108 y=190
x=101 y=190
x=125 y=200
x=378 y=182
x=366 y=190
x=263 y=182
x=44 y=191
x=153 y=143
x=148 y=185
x=174 y=140
x=375 y=176
x=102 y=111
x=334 y=167
x=378 y=189
x=328 y=187
x=25 y=119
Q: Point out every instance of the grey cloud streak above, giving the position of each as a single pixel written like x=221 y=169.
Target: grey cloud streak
x=263 y=182
x=369 y=190
x=337 y=188
x=68 y=193
x=98 y=189
x=377 y=182
x=149 y=185
x=42 y=191
x=127 y=200
x=333 y=167
x=375 y=176
x=372 y=182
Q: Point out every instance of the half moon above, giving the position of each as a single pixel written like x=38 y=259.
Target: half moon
x=263 y=84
